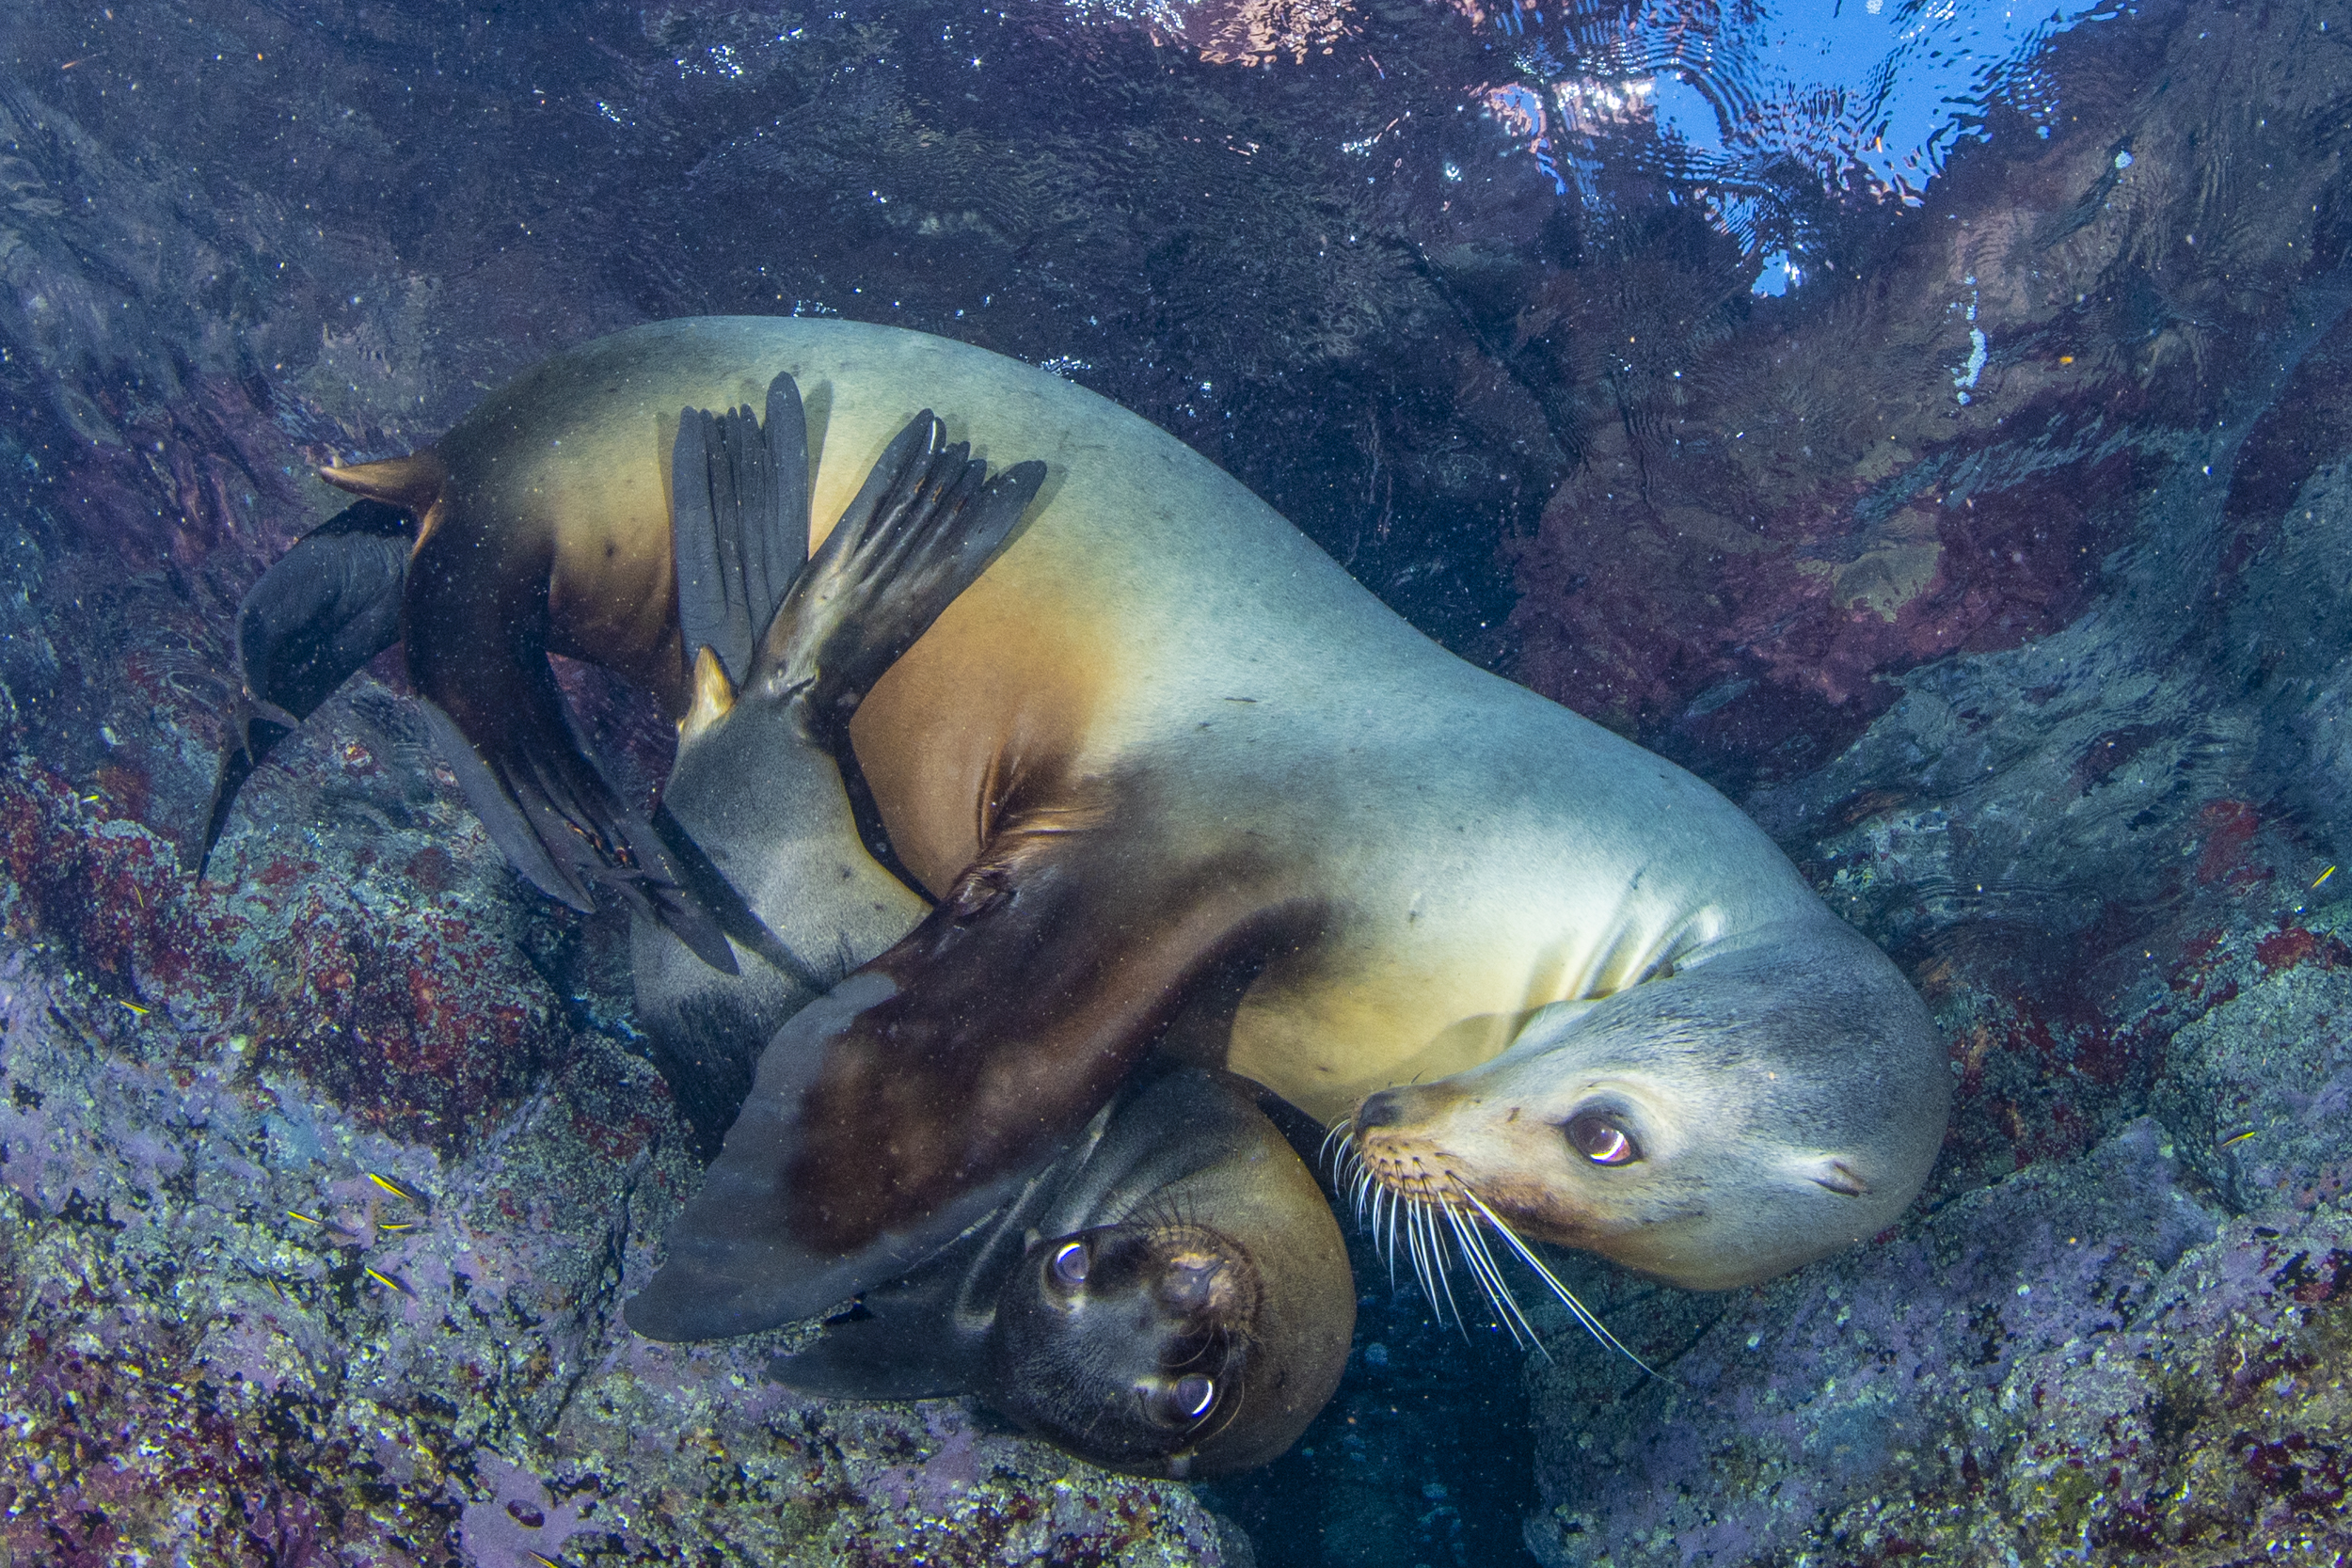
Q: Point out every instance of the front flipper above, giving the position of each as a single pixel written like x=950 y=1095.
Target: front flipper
x=926 y=1336
x=900 y=1109
x=499 y=724
x=325 y=608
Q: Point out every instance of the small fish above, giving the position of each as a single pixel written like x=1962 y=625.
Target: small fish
x=307 y=1219
x=404 y=1225
x=2240 y=1137
x=269 y=1280
x=2325 y=874
x=543 y=1561
x=391 y=1282
x=134 y=1006
x=394 y=1187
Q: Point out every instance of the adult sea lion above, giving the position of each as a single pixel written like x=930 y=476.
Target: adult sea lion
x=1173 y=777
x=1171 y=1295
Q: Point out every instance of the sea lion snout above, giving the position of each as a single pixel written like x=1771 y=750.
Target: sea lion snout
x=1129 y=1343
x=1713 y=1127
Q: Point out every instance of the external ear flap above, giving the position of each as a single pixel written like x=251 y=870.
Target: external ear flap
x=1835 y=1175
x=321 y=611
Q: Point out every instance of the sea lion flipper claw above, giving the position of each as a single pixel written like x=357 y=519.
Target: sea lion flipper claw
x=325 y=608
x=739 y=522
x=922 y=528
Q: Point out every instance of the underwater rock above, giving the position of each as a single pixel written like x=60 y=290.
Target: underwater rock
x=2258 y=1090
x=2084 y=1362
x=2047 y=692
x=245 y=1326
x=1943 y=442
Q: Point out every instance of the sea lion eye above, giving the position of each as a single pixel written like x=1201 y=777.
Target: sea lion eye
x=1191 y=1395
x=1597 y=1135
x=1070 y=1265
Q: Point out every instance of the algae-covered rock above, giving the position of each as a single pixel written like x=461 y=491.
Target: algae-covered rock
x=244 y=1326
x=2084 y=1363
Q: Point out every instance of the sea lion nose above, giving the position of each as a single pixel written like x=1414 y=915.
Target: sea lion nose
x=1190 y=1281
x=1379 y=1110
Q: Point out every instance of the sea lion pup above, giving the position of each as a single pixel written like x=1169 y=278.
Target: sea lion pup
x=1171 y=1295
x=1176 y=780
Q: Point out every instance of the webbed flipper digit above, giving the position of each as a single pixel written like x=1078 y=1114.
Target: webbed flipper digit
x=921 y=529
x=739 y=510
x=325 y=608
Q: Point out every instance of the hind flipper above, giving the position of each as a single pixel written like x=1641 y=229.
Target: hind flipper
x=739 y=530
x=325 y=608
x=739 y=495
x=922 y=528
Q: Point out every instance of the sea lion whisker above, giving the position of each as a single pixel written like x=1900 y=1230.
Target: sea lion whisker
x=1477 y=1267
x=1384 y=1229
x=1498 y=1293
x=1421 y=1263
x=1502 y=1288
x=1444 y=1264
x=1593 y=1325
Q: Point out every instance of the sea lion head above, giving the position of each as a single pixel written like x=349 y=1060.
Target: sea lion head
x=1130 y=1344
x=1184 y=1307
x=1171 y=1297
x=1712 y=1127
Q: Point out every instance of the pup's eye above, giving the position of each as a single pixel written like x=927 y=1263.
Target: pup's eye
x=1070 y=1265
x=1597 y=1135
x=1188 y=1397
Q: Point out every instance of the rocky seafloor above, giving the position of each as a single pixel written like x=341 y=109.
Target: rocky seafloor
x=320 y=1180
